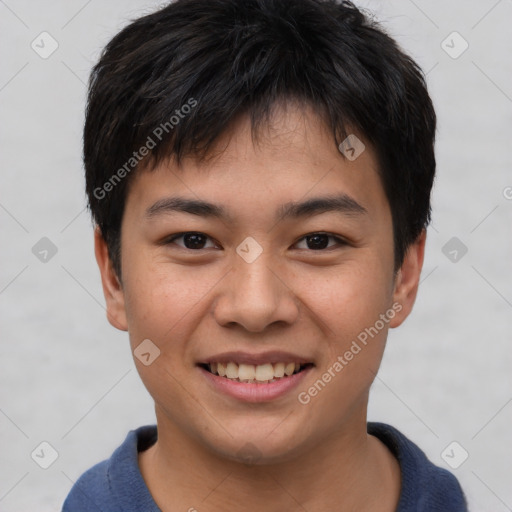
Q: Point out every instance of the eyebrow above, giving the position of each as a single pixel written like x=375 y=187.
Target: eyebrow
x=343 y=204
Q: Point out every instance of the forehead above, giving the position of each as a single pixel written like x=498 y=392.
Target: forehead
x=292 y=157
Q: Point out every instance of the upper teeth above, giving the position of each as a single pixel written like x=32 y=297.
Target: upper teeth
x=249 y=372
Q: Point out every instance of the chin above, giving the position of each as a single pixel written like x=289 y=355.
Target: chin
x=258 y=446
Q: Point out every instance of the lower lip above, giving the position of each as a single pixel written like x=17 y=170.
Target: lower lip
x=251 y=392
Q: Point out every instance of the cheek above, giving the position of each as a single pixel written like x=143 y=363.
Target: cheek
x=163 y=304
x=351 y=303
x=352 y=297
x=356 y=339
x=163 y=299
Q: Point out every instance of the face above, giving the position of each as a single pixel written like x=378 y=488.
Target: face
x=269 y=255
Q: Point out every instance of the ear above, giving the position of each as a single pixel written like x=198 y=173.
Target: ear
x=112 y=288
x=407 y=280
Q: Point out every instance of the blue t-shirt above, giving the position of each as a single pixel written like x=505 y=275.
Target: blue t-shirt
x=116 y=484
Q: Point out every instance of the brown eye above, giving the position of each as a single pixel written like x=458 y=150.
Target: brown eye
x=320 y=241
x=191 y=240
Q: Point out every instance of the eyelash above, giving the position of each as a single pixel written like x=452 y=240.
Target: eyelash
x=340 y=241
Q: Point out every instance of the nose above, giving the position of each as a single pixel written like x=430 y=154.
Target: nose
x=255 y=296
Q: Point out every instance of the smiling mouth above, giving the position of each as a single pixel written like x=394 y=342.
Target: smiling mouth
x=255 y=374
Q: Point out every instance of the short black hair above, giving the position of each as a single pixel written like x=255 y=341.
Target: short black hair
x=172 y=82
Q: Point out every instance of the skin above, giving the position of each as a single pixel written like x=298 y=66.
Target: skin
x=195 y=303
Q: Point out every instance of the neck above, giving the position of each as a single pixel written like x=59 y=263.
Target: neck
x=347 y=471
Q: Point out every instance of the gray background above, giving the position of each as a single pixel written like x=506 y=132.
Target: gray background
x=67 y=377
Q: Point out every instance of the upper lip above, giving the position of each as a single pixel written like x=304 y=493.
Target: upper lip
x=272 y=356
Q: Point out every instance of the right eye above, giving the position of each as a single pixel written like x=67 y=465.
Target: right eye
x=192 y=240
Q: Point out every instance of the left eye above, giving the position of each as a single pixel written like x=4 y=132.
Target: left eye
x=319 y=241
x=191 y=240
